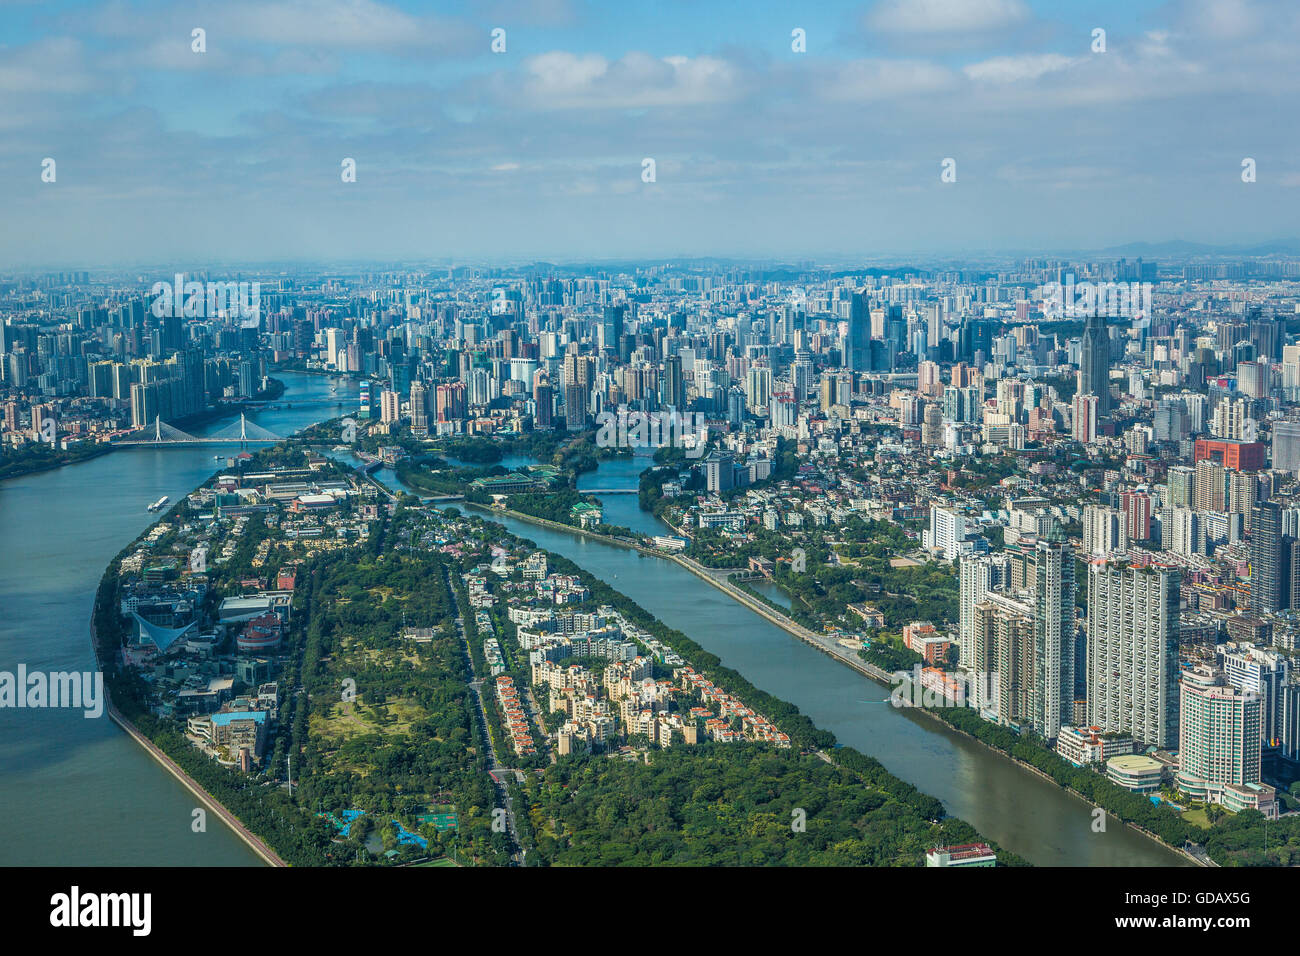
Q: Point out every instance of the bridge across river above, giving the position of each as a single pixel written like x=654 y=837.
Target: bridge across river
x=242 y=432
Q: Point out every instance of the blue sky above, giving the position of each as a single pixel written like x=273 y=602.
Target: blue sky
x=165 y=156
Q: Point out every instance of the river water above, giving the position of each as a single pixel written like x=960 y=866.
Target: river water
x=1005 y=802
x=75 y=791
x=78 y=791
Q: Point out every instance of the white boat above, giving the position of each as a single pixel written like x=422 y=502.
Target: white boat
x=158 y=505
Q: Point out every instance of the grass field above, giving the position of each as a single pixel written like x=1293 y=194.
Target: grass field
x=1197 y=818
x=354 y=718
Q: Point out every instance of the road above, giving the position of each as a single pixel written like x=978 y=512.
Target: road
x=535 y=712
x=719 y=579
x=496 y=769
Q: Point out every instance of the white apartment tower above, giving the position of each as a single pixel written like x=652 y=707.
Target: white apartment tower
x=1133 y=651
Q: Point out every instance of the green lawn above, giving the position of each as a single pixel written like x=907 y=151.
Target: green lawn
x=1197 y=818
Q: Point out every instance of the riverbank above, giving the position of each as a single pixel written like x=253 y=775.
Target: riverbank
x=210 y=803
x=60 y=459
x=73 y=790
x=826 y=645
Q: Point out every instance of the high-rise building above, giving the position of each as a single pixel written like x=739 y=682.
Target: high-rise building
x=783 y=410
x=390 y=407
x=1105 y=532
x=1269 y=588
x=612 y=325
x=576 y=416
x=1052 y=695
x=1211 y=486
x=1133 y=628
x=1087 y=408
x=758 y=387
x=979 y=575
x=144 y=404
x=1003 y=637
x=419 y=403
x=1228 y=420
x=673 y=389
x=1286 y=445
x=450 y=402
x=1265 y=673
x=1181 y=482
x=1180 y=531
x=1136 y=506
x=543 y=401
x=932 y=426
x=1218 y=734
x=947 y=532
x=719 y=473
x=1094 y=362
x=1243 y=492
x=44 y=422
x=857 y=345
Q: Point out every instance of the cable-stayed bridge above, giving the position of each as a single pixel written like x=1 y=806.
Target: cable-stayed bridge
x=242 y=432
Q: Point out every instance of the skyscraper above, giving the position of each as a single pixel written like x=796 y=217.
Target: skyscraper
x=611 y=326
x=674 y=393
x=542 y=401
x=857 y=347
x=1052 y=696
x=1094 y=362
x=1267 y=572
x=419 y=403
x=1003 y=635
x=980 y=574
x=1133 y=651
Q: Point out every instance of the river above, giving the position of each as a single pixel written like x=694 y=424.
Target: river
x=77 y=791
x=1005 y=802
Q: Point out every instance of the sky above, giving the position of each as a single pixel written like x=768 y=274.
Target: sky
x=180 y=159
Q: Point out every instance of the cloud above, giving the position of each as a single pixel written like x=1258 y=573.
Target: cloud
x=1014 y=69
x=562 y=80
x=318 y=25
x=52 y=65
x=879 y=79
x=945 y=16
x=755 y=149
x=1225 y=19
